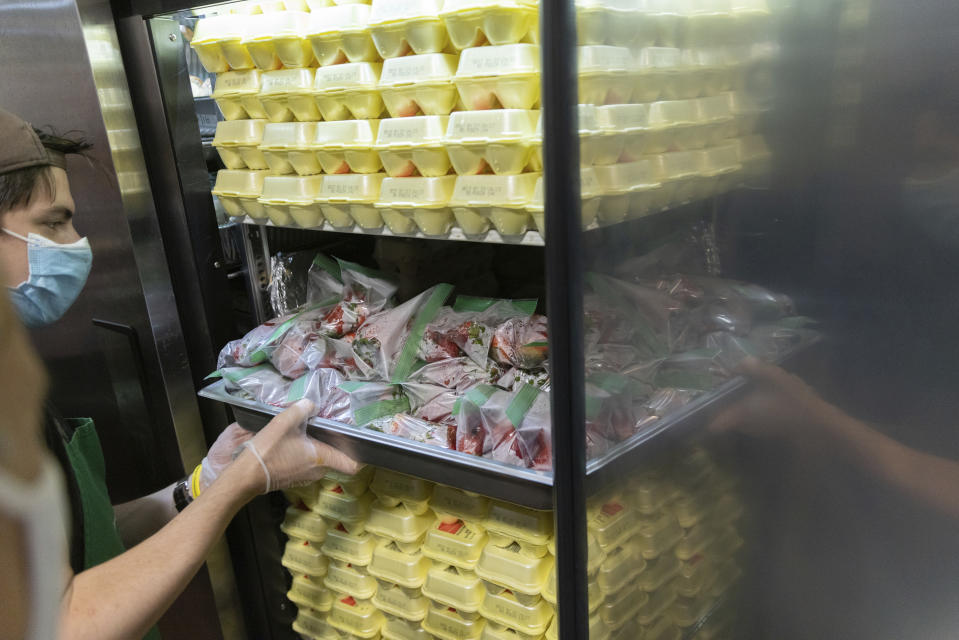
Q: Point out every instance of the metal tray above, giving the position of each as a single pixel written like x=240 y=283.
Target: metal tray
x=529 y=488
x=533 y=489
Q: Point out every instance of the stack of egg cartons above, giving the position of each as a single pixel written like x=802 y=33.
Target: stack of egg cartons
x=492 y=141
x=263 y=64
x=399 y=518
x=677 y=89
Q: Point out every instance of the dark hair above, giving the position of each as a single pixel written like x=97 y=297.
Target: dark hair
x=18 y=188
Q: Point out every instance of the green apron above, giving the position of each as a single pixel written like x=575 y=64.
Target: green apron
x=101 y=540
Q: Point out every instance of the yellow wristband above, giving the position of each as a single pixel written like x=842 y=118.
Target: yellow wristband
x=195 y=480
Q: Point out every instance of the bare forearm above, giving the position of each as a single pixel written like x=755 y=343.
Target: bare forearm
x=927 y=478
x=125 y=596
x=141 y=518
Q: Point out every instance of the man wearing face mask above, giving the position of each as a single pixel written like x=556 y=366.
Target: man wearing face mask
x=109 y=592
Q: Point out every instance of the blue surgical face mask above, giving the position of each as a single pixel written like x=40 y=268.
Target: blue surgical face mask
x=57 y=275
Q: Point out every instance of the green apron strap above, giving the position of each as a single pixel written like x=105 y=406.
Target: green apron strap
x=101 y=540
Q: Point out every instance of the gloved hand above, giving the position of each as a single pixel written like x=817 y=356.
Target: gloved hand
x=291 y=458
x=220 y=455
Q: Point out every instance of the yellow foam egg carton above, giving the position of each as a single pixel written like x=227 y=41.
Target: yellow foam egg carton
x=285 y=198
x=277 y=39
x=341 y=34
x=353 y=485
x=347 y=199
x=454 y=587
x=483 y=200
x=656 y=536
x=503 y=607
x=287 y=147
x=500 y=140
x=693 y=575
x=345 y=146
x=664 y=629
x=619 y=569
x=313 y=624
x=595 y=597
x=218 y=43
x=350 y=579
x=237 y=142
x=597 y=628
x=630 y=189
x=237 y=94
x=302 y=556
x=408 y=204
x=394 y=600
x=658 y=573
x=238 y=191
x=649 y=493
x=511 y=567
x=448 y=623
x=287 y=95
x=461 y=504
x=455 y=542
x=304 y=524
x=694 y=542
x=496 y=631
x=412 y=26
x=609 y=22
x=726 y=543
x=471 y=23
x=335 y=503
x=407 y=569
x=613 y=523
x=658 y=74
x=685 y=612
x=413 y=146
x=345 y=547
x=398 y=522
x=605 y=74
x=345 y=91
x=505 y=76
x=358 y=617
x=310 y=592
x=392 y=488
x=621 y=609
x=419 y=85
x=589 y=191
x=396 y=628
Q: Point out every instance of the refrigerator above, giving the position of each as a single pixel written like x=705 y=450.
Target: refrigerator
x=668 y=187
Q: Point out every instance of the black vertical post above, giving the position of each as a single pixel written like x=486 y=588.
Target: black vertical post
x=564 y=289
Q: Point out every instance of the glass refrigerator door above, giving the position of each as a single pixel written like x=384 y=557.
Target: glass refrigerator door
x=761 y=319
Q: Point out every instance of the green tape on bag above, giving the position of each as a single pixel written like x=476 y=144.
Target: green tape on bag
x=297 y=389
x=407 y=357
x=477 y=396
x=260 y=355
x=329 y=265
x=613 y=383
x=593 y=406
x=213 y=376
x=383 y=408
x=475 y=304
x=367 y=271
x=352 y=385
x=521 y=403
x=236 y=376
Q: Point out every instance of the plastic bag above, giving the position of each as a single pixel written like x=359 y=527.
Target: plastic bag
x=386 y=345
x=372 y=400
x=521 y=342
x=369 y=285
x=696 y=369
x=431 y=403
x=460 y=374
x=662 y=403
x=515 y=378
x=303 y=346
x=261 y=383
x=410 y=428
x=256 y=346
x=513 y=428
x=323 y=279
x=288 y=284
x=322 y=387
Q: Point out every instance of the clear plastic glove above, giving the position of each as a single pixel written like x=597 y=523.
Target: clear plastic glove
x=221 y=454
x=291 y=458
